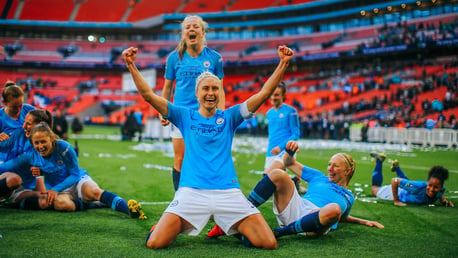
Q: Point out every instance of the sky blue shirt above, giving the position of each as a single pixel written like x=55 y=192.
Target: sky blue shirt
x=283 y=126
x=186 y=70
x=60 y=170
x=8 y=125
x=321 y=191
x=207 y=162
x=415 y=192
x=15 y=146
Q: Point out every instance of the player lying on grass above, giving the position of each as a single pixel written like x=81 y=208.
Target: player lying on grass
x=209 y=186
x=403 y=191
x=326 y=202
x=68 y=186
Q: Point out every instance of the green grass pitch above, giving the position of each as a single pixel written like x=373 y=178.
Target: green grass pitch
x=412 y=231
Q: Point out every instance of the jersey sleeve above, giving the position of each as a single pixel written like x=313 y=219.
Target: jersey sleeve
x=308 y=173
x=170 y=67
x=219 y=67
x=294 y=126
x=71 y=162
x=13 y=164
x=411 y=186
x=8 y=144
x=174 y=114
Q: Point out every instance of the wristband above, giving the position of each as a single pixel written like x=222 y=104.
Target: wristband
x=290 y=152
x=39 y=177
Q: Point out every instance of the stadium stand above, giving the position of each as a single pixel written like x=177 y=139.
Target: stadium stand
x=381 y=67
x=54 y=11
x=96 y=11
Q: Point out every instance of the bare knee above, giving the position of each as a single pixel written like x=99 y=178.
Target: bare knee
x=63 y=204
x=269 y=243
x=43 y=201
x=14 y=181
x=277 y=176
x=154 y=242
x=330 y=214
x=93 y=194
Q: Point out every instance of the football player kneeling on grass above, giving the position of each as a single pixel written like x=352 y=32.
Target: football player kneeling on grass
x=208 y=185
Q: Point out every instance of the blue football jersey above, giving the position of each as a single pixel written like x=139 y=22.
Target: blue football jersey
x=186 y=70
x=207 y=161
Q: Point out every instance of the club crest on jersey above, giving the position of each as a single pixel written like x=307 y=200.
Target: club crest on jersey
x=281 y=115
x=219 y=121
x=60 y=162
x=206 y=64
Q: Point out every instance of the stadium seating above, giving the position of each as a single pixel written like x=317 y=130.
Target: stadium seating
x=101 y=11
x=205 y=6
x=147 y=9
x=47 y=10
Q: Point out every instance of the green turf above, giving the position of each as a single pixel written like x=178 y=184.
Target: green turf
x=412 y=231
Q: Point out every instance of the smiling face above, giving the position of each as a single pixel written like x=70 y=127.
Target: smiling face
x=193 y=31
x=29 y=123
x=277 y=97
x=208 y=92
x=338 y=170
x=433 y=187
x=43 y=143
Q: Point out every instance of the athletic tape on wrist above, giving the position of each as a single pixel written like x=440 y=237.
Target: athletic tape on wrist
x=290 y=152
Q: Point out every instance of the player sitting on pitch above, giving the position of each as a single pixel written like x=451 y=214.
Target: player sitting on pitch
x=69 y=187
x=326 y=202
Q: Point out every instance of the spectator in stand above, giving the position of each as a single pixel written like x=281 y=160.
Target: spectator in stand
x=60 y=126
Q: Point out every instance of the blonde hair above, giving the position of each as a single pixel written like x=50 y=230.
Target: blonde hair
x=351 y=163
x=204 y=76
x=182 y=44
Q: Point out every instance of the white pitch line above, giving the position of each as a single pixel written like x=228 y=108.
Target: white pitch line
x=153 y=203
x=163 y=203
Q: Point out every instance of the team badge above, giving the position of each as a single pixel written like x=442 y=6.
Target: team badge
x=219 y=121
x=281 y=115
x=60 y=162
x=174 y=203
x=206 y=64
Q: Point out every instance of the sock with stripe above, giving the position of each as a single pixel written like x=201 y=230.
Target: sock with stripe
x=79 y=205
x=262 y=191
x=114 y=202
x=308 y=223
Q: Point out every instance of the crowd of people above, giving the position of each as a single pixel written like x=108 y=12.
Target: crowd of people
x=39 y=168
